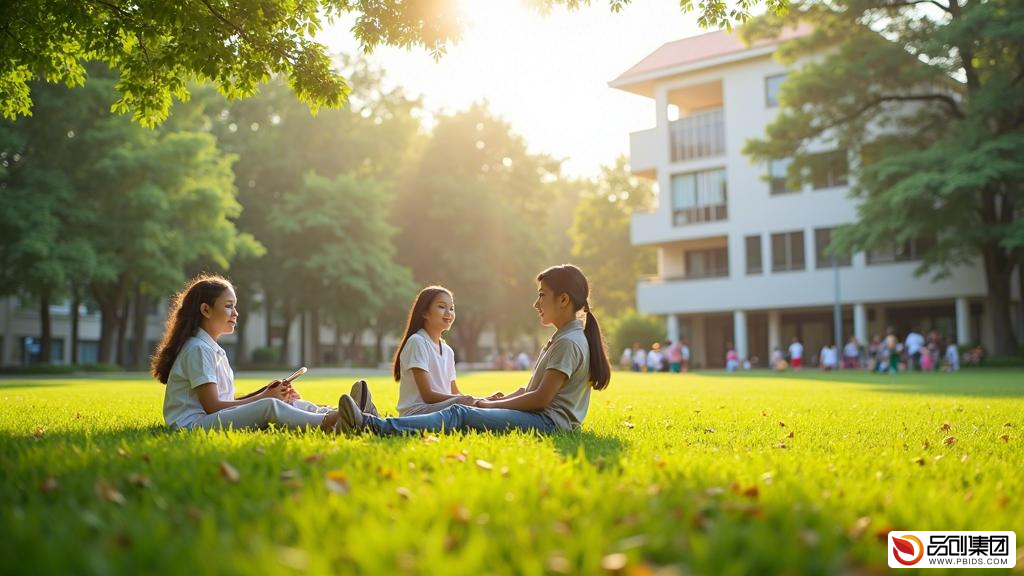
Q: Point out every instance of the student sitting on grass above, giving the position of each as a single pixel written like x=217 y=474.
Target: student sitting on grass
x=424 y=363
x=558 y=394
x=200 y=389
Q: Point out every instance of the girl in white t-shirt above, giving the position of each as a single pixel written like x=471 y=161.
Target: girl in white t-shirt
x=200 y=389
x=424 y=364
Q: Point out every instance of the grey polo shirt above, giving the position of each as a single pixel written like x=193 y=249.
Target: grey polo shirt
x=567 y=352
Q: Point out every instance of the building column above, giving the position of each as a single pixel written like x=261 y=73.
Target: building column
x=881 y=319
x=739 y=329
x=774 y=331
x=963 y=322
x=698 y=347
x=860 y=324
x=672 y=327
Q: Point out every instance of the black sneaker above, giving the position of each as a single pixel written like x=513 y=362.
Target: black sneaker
x=350 y=417
x=361 y=394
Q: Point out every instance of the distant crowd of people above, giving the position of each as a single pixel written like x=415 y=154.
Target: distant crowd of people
x=662 y=357
x=888 y=354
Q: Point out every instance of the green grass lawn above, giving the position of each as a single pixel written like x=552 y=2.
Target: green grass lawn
x=702 y=473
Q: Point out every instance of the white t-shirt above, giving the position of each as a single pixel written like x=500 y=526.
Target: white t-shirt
x=914 y=342
x=796 y=350
x=200 y=361
x=851 y=350
x=685 y=350
x=439 y=364
x=828 y=356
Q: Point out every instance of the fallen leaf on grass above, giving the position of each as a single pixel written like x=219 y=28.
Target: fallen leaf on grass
x=780 y=445
x=949 y=440
x=920 y=461
x=337 y=482
x=458 y=456
x=138 y=480
x=1005 y=437
x=404 y=493
x=122 y=452
x=946 y=426
x=628 y=424
x=459 y=513
x=859 y=527
x=39 y=432
x=782 y=424
x=387 y=473
x=108 y=493
x=313 y=458
x=790 y=435
x=559 y=564
x=1002 y=502
x=48 y=485
x=614 y=562
x=709 y=430
x=229 y=473
x=430 y=439
x=484 y=464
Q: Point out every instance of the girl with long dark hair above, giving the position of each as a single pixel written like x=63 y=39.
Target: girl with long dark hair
x=573 y=362
x=200 y=389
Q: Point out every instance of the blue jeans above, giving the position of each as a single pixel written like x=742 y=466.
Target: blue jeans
x=459 y=417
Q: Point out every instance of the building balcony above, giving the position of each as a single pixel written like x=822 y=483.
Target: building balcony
x=644 y=153
x=699 y=135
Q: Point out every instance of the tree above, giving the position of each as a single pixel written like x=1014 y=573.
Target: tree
x=929 y=99
x=600 y=237
x=159 y=47
x=339 y=255
x=279 y=145
x=470 y=218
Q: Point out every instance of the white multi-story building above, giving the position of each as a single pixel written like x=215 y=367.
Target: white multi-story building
x=740 y=256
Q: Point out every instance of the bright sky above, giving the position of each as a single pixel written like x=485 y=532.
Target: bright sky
x=546 y=75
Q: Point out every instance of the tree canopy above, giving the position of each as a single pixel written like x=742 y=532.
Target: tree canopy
x=928 y=101
x=161 y=47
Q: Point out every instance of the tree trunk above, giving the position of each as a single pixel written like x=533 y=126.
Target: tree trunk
x=314 y=329
x=110 y=298
x=122 y=333
x=76 y=302
x=285 y=336
x=998 y=271
x=379 y=348
x=241 y=357
x=339 y=348
x=268 y=310
x=355 y=346
x=140 y=352
x=469 y=337
x=45 y=328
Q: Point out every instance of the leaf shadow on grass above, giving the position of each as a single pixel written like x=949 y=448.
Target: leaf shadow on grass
x=595 y=448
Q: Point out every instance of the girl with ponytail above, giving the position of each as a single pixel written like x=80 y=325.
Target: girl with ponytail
x=573 y=362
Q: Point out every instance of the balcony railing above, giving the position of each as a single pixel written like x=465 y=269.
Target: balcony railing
x=699 y=135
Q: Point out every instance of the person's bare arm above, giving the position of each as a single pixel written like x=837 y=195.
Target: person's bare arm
x=533 y=400
x=212 y=403
x=429 y=395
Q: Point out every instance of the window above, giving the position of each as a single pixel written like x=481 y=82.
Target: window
x=906 y=252
x=699 y=197
x=32 y=350
x=771 y=89
x=777 y=170
x=822 y=238
x=707 y=263
x=787 y=251
x=829 y=170
x=88 y=351
x=754 y=265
